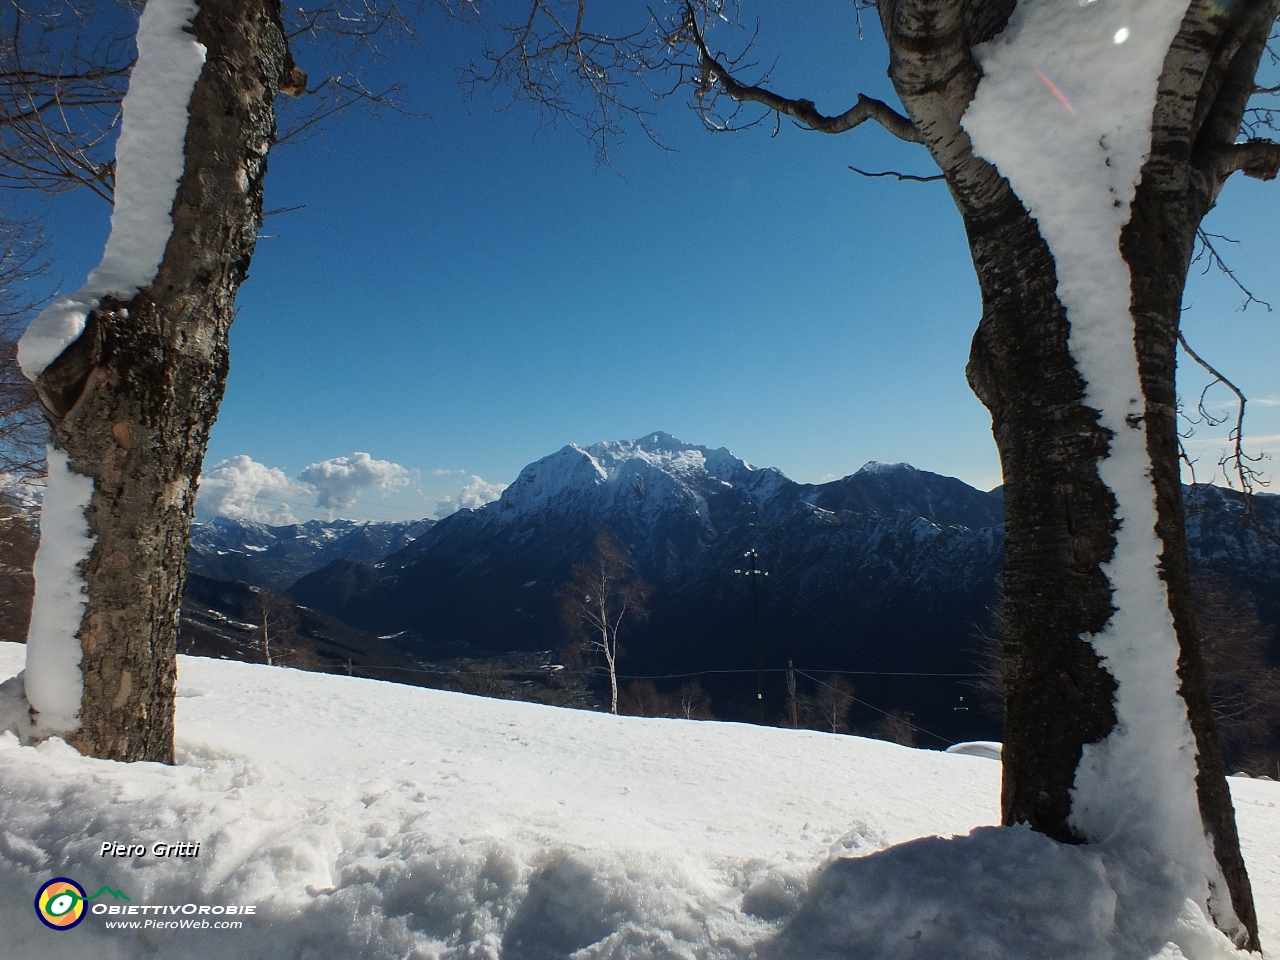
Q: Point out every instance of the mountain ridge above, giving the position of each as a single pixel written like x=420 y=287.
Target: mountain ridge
x=276 y=556
x=889 y=569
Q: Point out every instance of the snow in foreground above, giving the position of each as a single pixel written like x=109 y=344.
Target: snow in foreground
x=369 y=820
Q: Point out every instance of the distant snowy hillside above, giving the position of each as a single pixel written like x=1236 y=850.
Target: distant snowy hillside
x=275 y=557
x=370 y=821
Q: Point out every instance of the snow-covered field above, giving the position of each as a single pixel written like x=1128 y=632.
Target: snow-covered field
x=365 y=819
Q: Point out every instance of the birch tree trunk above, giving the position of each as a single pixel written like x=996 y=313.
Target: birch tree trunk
x=611 y=652
x=132 y=400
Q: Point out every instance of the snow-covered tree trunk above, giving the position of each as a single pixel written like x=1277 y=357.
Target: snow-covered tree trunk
x=1101 y=134
x=131 y=369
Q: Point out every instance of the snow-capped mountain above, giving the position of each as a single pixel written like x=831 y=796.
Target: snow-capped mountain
x=277 y=556
x=889 y=570
x=645 y=479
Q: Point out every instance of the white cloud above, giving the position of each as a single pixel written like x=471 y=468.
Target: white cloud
x=475 y=494
x=445 y=473
x=243 y=489
x=339 y=482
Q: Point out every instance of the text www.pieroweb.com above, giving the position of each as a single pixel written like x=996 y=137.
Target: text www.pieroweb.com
x=188 y=916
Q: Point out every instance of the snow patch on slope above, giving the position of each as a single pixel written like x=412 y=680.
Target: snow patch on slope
x=149 y=163
x=1064 y=112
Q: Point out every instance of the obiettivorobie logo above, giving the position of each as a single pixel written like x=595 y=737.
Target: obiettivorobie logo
x=60 y=902
x=60 y=905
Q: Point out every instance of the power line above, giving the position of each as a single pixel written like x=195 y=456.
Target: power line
x=897 y=673
x=828 y=626
x=692 y=673
x=949 y=743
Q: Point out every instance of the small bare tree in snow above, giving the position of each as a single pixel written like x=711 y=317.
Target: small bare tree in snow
x=277 y=620
x=896 y=728
x=599 y=596
x=835 y=697
x=828 y=708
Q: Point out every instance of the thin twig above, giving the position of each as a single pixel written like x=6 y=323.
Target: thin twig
x=1212 y=257
x=1246 y=475
x=900 y=176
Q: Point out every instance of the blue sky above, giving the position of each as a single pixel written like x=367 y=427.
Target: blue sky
x=467 y=291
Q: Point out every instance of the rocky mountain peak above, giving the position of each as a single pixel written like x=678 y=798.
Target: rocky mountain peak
x=643 y=478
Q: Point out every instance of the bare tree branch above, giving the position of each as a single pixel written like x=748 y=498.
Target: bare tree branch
x=715 y=73
x=65 y=68
x=349 y=39
x=1212 y=258
x=1258 y=158
x=599 y=595
x=23 y=431
x=900 y=176
x=1236 y=460
x=587 y=78
x=65 y=64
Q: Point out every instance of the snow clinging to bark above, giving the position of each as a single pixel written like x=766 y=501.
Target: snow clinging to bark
x=52 y=680
x=1064 y=112
x=149 y=163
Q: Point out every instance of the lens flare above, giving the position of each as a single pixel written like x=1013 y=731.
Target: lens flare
x=1053 y=88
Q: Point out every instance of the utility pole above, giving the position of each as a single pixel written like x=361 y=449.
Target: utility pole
x=791 y=694
x=753 y=573
x=961 y=709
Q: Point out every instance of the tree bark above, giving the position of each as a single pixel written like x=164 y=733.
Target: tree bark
x=1060 y=517
x=132 y=400
x=1059 y=524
